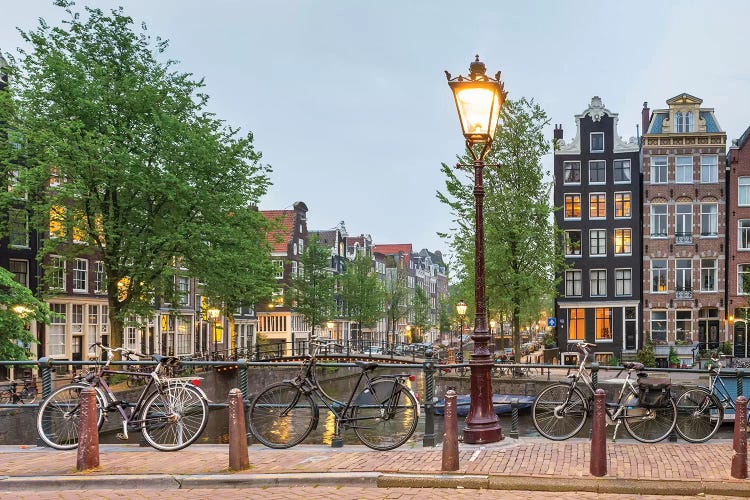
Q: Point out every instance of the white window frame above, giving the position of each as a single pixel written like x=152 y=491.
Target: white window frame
x=686 y=273
x=663 y=218
x=622 y=162
x=687 y=164
x=573 y=277
x=622 y=195
x=656 y=161
x=682 y=219
x=18 y=228
x=709 y=169
x=661 y=272
x=100 y=277
x=566 y=171
x=278 y=269
x=689 y=122
x=80 y=276
x=743 y=234
x=600 y=277
x=662 y=333
x=603 y=170
x=591 y=142
x=565 y=206
x=591 y=204
x=624 y=282
x=568 y=248
x=58 y=265
x=743 y=191
x=25 y=264
x=709 y=271
x=712 y=231
x=601 y=239
x=628 y=249
x=740 y=272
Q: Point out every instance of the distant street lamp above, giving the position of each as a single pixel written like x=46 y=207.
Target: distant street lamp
x=213 y=314
x=461 y=310
x=479 y=99
x=492 y=337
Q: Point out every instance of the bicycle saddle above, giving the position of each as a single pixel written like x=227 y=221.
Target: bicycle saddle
x=632 y=365
x=166 y=360
x=366 y=367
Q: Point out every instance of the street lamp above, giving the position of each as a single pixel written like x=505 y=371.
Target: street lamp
x=479 y=99
x=492 y=336
x=461 y=310
x=213 y=314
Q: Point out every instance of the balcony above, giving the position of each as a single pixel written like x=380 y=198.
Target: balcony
x=683 y=238
x=683 y=294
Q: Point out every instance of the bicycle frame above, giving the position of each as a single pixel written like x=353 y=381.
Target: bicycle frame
x=720 y=390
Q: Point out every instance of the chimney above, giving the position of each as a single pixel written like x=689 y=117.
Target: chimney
x=645 y=115
x=558 y=133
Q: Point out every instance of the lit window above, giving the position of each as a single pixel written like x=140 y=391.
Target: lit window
x=56 y=222
x=659 y=276
x=576 y=322
x=622 y=205
x=603 y=323
x=623 y=241
x=572 y=206
x=598 y=206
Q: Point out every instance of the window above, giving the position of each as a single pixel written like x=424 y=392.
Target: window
x=684 y=224
x=572 y=243
x=572 y=206
x=623 y=282
x=679 y=122
x=689 y=122
x=80 y=273
x=684 y=170
x=278 y=266
x=743 y=238
x=56 y=336
x=708 y=275
x=76 y=318
x=597 y=172
x=658 y=220
x=56 y=272
x=294 y=268
x=20 y=270
x=573 y=283
x=571 y=172
x=576 y=323
x=658 y=170
x=598 y=242
x=659 y=276
x=622 y=171
x=743 y=279
x=18 y=228
x=684 y=325
x=183 y=290
x=598 y=206
x=598 y=282
x=709 y=169
x=301 y=246
x=597 y=142
x=623 y=241
x=603 y=323
x=743 y=191
x=622 y=205
x=684 y=278
x=709 y=219
x=100 y=278
x=659 y=325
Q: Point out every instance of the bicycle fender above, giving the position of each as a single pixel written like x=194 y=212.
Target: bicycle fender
x=394 y=379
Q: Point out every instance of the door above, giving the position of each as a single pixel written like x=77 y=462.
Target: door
x=713 y=334
x=740 y=339
x=630 y=329
x=77 y=354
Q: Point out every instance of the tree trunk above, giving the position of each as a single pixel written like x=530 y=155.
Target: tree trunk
x=517 y=334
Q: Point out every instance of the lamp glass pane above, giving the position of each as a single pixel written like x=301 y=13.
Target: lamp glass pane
x=475 y=106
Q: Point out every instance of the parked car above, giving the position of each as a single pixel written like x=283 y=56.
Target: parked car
x=373 y=350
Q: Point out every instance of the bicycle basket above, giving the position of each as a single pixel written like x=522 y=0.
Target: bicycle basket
x=653 y=394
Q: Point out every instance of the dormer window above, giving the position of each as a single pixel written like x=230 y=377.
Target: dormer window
x=683 y=122
x=597 y=142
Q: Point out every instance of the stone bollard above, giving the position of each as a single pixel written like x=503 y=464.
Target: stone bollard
x=739 y=460
x=599 y=436
x=88 y=431
x=238 y=458
x=450 y=438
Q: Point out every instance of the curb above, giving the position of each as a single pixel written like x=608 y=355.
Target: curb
x=737 y=488
x=177 y=481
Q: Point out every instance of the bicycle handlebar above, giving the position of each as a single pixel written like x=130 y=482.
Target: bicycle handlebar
x=112 y=350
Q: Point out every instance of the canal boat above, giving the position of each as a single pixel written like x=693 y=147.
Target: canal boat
x=500 y=402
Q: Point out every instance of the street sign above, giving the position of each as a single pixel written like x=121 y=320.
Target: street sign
x=551 y=321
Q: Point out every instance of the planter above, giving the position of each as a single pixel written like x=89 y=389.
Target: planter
x=551 y=354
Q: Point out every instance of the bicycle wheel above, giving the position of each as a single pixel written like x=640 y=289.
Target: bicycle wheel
x=559 y=412
x=386 y=417
x=651 y=425
x=174 y=417
x=699 y=415
x=27 y=396
x=59 y=417
x=282 y=416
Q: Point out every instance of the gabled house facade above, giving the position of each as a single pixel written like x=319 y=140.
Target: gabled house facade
x=738 y=231
x=597 y=190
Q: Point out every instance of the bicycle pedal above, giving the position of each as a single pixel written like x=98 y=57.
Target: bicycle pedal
x=121 y=436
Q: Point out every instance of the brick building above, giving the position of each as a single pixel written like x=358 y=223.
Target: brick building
x=738 y=264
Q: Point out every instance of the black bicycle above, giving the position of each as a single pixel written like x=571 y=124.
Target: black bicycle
x=383 y=415
x=11 y=394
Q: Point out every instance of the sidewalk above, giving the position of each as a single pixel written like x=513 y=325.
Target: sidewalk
x=525 y=464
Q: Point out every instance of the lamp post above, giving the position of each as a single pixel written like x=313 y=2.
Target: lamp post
x=479 y=99
x=213 y=315
x=492 y=337
x=461 y=310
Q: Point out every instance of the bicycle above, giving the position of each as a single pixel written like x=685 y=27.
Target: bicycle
x=700 y=410
x=383 y=415
x=560 y=410
x=170 y=413
x=10 y=393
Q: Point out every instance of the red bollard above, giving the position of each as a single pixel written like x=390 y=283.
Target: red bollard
x=599 y=436
x=450 y=437
x=238 y=459
x=739 y=460
x=88 y=432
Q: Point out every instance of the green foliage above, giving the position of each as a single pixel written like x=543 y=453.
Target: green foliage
x=444 y=315
x=18 y=308
x=396 y=293
x=520 y=255
x=673 y=358
x=146 y=173
x=421 y=305
x=362 y=292
x=549 y=339
x=646 y=355
x=313 y=287
x=726 y=348
x=614 y=361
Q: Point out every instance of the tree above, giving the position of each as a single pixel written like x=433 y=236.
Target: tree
x=313 y=287
x=396 y=294
x=143 y=175
x=362 y=293
x=421 y=314
x=18 y=307
x=520 y=253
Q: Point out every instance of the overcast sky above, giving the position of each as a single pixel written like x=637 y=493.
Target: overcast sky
x=348 y=101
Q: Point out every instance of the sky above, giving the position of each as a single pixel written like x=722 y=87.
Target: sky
x=347 y=100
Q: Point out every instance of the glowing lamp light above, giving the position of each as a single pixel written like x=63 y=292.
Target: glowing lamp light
x=461 y=308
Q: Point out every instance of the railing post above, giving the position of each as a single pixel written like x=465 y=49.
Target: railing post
x=598 y=466
x=450 y=438
x=257 y=351
x=740 y=376
x=45 y=365
x=595 y=375
x=429 y=396
x=243 y=382
x=513 y=418
x=739 y=460
x=238 y=458
x=88 y=432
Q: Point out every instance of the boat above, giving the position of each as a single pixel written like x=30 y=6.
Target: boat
x=500 y=402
